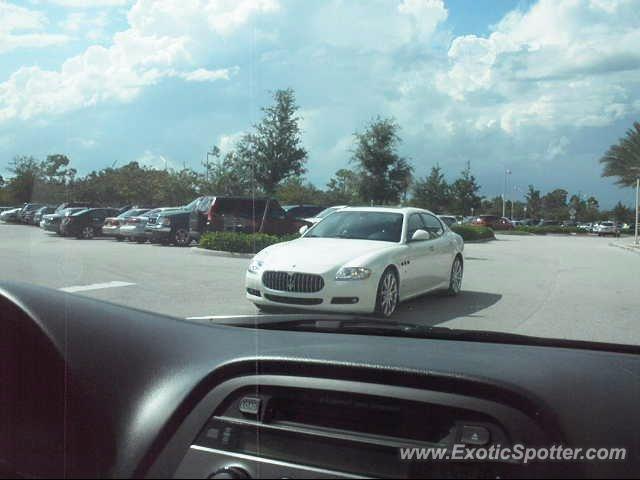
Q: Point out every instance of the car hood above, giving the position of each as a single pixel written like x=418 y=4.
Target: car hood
x=317 y=255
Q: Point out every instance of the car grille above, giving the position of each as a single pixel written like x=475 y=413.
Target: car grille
x=292 y=282
x=292 y=300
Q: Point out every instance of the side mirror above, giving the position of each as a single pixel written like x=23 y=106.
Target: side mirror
x=420 y=235
x=303 y=229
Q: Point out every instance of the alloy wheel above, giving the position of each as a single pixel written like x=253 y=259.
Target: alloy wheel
x=455 y=283
x=87 y=233
x=388 y=294
x=182 y=238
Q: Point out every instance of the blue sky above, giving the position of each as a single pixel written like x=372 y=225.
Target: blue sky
x=539 y=87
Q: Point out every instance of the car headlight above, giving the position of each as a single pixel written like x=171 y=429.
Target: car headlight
x=255 y=266
x=353 y=273
x=166 y=222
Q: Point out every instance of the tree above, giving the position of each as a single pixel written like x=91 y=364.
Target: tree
x=623 y=159
x=622 y=213
x=534 y=203
x=432 y=192
x=554 y=205
x=491 y=206
x=274 y=150
x=27 y=178
x=343 y=188
x=464 y=193
x=295 y=190
x=385 y=176
x=231 y=176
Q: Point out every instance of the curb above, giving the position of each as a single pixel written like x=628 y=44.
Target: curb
x=220 y=253
x=628 y=248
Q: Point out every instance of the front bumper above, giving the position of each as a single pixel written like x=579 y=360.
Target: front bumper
x=158 y=233
x=110 y=231
x=131 y=231
x=364 y=290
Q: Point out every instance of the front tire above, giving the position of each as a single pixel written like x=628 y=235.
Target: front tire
x=455 y=279
x=181 y=238
x=388 y=296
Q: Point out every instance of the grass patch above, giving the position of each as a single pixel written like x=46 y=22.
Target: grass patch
x=471 y=233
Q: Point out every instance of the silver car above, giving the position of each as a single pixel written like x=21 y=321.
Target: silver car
x=608 y=228
x=113 y=225
x=133 y=227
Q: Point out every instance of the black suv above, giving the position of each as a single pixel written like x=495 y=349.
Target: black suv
x=240 y=214
x=171 y=226
x=87 y=223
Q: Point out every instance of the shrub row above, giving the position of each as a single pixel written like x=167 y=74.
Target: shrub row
x=241 y=242
x=548 y=229
x=470 y=233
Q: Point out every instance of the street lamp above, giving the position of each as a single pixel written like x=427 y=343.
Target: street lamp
x=504 y=194
x=635 y=236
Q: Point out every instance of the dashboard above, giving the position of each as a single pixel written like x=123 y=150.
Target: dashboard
x=92 y=389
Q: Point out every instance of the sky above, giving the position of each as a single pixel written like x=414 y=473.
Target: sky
x=540 y=88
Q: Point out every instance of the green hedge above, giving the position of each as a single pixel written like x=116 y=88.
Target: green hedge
x=548 y=229
x=470 y=233
x=241 y=242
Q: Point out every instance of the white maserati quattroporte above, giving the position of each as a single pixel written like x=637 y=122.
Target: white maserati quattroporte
x=358 y=260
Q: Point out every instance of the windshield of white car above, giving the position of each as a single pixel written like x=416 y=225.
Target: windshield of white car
x=327 y=211
x=360 y=225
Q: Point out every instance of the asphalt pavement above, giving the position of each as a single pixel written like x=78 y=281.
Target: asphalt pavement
x=553 y=286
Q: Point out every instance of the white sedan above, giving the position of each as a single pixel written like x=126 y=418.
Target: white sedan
x=359 y=260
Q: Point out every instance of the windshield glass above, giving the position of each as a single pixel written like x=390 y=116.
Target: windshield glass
x=486 y=151
x=327 y=211
x=360 y=225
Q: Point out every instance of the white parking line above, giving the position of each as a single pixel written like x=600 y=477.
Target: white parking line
x=95 y=286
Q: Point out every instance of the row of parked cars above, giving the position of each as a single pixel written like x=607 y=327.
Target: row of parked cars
x=169 y=225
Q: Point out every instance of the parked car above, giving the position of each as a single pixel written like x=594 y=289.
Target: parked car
x=324 y=213
x=52 y=221
x=608 y=228
x=36 y=217
x=549 y=223
x=300 y=212
x=359 y=260
x=87 y=223
x=27 y=210
x=493 y=221
x=11 y=215
x=112 y=225
x=67 y=205
x=171 y=227
x=239 y=214
x=584 y=227
x=134 y=227
x=449 y=219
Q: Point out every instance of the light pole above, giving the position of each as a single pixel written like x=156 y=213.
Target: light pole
x=635 y=236
x=504 y=194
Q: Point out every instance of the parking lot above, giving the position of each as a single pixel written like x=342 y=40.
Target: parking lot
x=555 y=286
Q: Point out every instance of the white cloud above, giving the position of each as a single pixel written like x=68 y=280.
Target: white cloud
x=227 y=142
x=90 y=25
x=155 y=160
x=204 y=75
x=427 y=14
x=559 y=63
x=375 y=25
x=23 y=28
x=165 y=38
x=90 y=3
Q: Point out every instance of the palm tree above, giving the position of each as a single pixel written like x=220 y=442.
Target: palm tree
x=623 y=159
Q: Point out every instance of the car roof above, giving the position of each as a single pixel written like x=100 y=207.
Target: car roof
x=402 y=210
